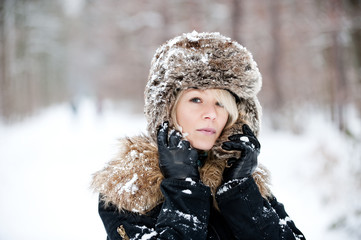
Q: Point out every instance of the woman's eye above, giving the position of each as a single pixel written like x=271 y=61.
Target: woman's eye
x=196 y=100
x=219 y=104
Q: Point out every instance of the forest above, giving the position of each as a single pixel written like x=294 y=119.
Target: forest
x=309 y=52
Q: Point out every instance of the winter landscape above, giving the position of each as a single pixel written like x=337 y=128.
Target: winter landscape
x=46 y=163
x=72 y=78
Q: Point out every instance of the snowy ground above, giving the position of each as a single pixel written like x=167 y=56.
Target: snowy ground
x=46 y=164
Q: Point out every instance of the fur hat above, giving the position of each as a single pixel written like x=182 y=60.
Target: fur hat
x=203 y=61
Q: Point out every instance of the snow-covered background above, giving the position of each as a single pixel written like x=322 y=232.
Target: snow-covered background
x=46 y=164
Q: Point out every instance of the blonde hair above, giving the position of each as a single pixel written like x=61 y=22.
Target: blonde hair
x=223 y=97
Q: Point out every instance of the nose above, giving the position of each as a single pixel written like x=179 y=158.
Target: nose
x=210 y=112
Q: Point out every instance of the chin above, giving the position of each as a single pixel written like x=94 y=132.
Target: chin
x=203 y=146
x=201 y=142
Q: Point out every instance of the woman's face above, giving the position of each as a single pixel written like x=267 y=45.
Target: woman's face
x=201 y=117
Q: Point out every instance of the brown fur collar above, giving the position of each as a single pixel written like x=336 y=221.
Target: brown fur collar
x=131 y=181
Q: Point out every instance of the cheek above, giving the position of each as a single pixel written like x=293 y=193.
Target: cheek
x=223 y=119
x=184 y=118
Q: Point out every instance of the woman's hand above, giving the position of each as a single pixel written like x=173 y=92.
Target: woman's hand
x=177 y=159
x=249 y=146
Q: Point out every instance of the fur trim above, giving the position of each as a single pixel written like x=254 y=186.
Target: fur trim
x=132 y=180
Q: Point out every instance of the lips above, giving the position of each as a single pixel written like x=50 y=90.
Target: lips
x=207 y=131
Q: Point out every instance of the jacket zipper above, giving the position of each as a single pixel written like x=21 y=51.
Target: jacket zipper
x=122 y=232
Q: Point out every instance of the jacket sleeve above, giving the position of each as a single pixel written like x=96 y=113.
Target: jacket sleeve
x=250 y=216
x=184 y=214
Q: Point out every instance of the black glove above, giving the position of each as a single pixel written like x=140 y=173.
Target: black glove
x=177 y=159
x=249 y=146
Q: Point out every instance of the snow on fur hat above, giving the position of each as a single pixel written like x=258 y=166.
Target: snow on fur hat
x=202 y=61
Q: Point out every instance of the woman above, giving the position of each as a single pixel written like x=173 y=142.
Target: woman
x=195 y=175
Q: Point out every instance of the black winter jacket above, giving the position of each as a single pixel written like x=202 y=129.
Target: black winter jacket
x=188 y=213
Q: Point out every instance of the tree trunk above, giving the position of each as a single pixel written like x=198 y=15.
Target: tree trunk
x=354 y=11
x=236 y=9
x=4 y=61
x=276 y=55
x=337 y=66
x=194 y=12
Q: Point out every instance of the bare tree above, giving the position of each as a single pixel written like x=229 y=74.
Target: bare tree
x=276 y=54
x=335 y=65
x=4 y=80
x=237 y=13
x=353 y=8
